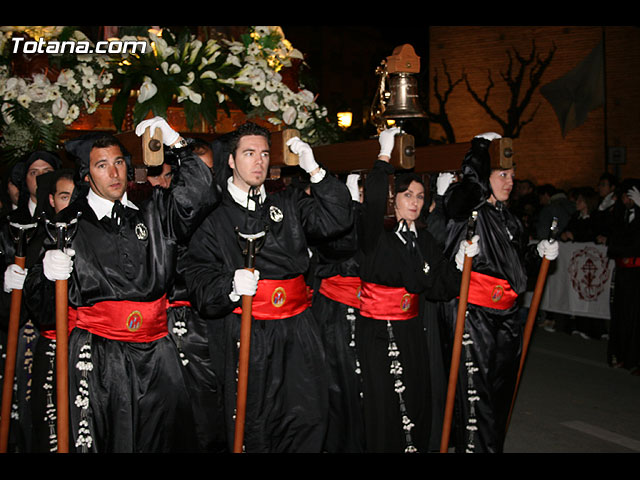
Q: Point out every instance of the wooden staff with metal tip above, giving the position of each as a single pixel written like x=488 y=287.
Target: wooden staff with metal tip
x=252 y=245
x=533 y=312
x=62 y=236
x=457 y=340
x=21 y=239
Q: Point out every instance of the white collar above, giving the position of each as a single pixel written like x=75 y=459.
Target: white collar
x=402 y=228
x=240 y=196
x=102 y=207
x=32 y=206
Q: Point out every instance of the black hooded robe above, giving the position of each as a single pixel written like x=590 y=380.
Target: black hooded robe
x=492 y=340
x=287 y=403
x=128 y=394
x=397 y=406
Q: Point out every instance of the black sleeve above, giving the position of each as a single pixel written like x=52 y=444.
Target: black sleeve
x=209 y=280
x=376 y=194
x=191 y=197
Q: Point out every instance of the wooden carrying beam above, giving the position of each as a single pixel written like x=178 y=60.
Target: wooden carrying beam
x=360 y=154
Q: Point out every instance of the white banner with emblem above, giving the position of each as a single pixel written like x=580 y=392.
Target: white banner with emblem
x=578 y=282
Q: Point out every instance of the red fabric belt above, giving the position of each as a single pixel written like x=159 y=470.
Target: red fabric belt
x=387 y=303
x=341 y=289
x=276 y=299
x=490 y=292
x=71 y=322
x=178 y=303
x=629 y=262
x=125 y=320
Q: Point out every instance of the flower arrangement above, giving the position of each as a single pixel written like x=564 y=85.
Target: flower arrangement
x=37 y=105
x=202 y=77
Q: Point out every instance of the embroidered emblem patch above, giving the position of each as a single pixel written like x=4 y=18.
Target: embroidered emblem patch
x=134 y=321
x=278 y=297
x=405 y=304
x=359 y=292
x=141 y=231
x=497 y=293
x=275 y=213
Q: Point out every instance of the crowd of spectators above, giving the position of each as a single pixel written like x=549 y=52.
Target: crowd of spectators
x=585 y=214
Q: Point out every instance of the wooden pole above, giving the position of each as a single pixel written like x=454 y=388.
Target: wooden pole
x=531 y=317
x=243 y=372
x=10 y=362
x=62 y=365
x=457 y=343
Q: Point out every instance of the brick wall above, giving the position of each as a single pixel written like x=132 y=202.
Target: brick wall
x=542 y=153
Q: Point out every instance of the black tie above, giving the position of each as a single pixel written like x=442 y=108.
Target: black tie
x=116 y=214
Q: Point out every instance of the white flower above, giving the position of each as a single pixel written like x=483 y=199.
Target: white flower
x=147 y=90
x=60 y=108
x=271 y=86
x=187 y=93
x=271 y=102
x=305 y=96
x=221 y=97
x=253 y=49
x=289 y=115
x=233 y=60
x=24 y=100
x=196 y=45
x=258 y=84
x=190 y=78
x=174 y=69
x=210 y=47
x=262 y=30
x=254 y=99
x=209 y=74
x=65 y=76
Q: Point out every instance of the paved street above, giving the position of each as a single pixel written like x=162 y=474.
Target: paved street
x=571 y=401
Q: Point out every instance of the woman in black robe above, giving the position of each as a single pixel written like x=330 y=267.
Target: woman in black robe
x=397 y=267
x=493 y=330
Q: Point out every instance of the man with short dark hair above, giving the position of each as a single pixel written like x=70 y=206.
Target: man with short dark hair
x=127 y=391
x=287 y=402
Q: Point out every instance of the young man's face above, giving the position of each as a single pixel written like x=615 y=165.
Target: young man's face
x=62 y=196
x=164 y=179
x=250 y=163
x=35 y=169
x=107 y=172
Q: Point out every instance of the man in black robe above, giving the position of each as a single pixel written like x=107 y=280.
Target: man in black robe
x=26 y=214
x=623 y=350
x=127 y=390
x=493 y=330
x=286 y=408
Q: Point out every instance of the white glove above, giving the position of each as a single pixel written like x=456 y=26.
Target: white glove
x=387 y=140
x=245 y=282
x=491 y=136
x=305 y=154
x=548 y=249
x=443 y=182
x=467 y=249
x=352 y=185
x=634 y=195
x=58 y=265
x=169 y=135
x=607 y=202
x=14 y=277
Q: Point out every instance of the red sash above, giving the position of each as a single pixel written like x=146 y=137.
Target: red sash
x=387 y=303
x=125 y=320
x=178 y=303
x=341 y=289
x=277 y=299
x=629 y=262
x=71 y=322
x=490 y=292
